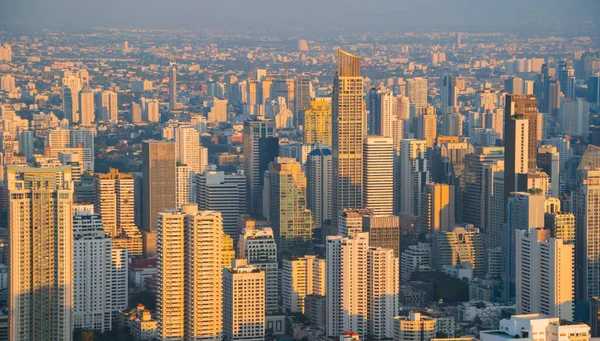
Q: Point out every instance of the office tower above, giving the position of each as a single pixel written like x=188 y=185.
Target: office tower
x=40 y=225
x=84 y=138
x=346 y=264
x=514 y=86
x=460 y=245
x=565 y=74
x=218 y=110
x=378 y=175
x=7 y=83
x=135 y=113
x=381 y=102
x=520 y=117
x=524 y=212
x=285 y=185
x=427 y=127
x=383 y=287
x=545 y=274
x=225 y=193
x=243 y=302
x=438 y=210
x=190 y=246
x=452 y=124
x=402 y=108
x=159 y=181
x=347 y=133
x=586 y=195
x=302 y=97
x=301 y=277
x=319 y=189
x=150 y=111
x=593 y=84
x=257 y=246
x=539 y=326
x=415 y=258
x=317 y=123
x=554 y=98
x=575 y=117
x=351 y=221
x=417 y=91
x=173 y=86
x=561 y=226
x=414 y=327
x=283 y=87
x=114 y=202
x=384 y=232
x=414 y=174
x=548 y=161
x=92 y=306
x=183 y=184
x=71 y=88
x=107 y=106
x=541 y=88
x=260 y=147
x=449 y=93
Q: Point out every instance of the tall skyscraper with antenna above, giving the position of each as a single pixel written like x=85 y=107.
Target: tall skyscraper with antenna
x=347 y=133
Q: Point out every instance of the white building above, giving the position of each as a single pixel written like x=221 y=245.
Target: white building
x=415 y=258
x=382 y=292
x=414 y=327
x=575 y=116
x=346 y=264
x=258 y=246
x=378 y=175
x=319 y=185
x=537 y=327
x=301 y=277
x=243 y=302
x=84 y=138
x=120 y=276
x=107 y=106
x=414 y=174
x=545 y=274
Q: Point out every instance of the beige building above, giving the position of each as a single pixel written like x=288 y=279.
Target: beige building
x=115 y=202
x=159 y=181
x=243 y=302
x=383 y=287
x=86 y=107
x=301 y=277
x=40 y=222
x=427 y=126
x=438 y=211
x=461 y=245
x=414 y=327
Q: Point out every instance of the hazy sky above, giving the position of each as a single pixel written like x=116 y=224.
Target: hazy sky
x=377 y=15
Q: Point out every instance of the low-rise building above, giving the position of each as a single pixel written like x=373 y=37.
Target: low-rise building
x=140 y=323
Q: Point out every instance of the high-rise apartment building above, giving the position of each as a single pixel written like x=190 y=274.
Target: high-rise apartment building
x=301 y=277
x=183 y=184
x=257 y=245
x=460 y=245
x=187 y=148
x=86 y=107
x=159 y=181
x=378 y=175
x=449 y=93
x=347 y=134
x=285 y=203
x=243 y=302
x=173 y=86
x=575 y=117
x=71 y=87
x=40 y=221
x=381 y=104
x=545 y=274
x=414 y=174
x=351 y=221
x=84 y=138
x=346 y=264
x=301 y=98
x=317 y=123
x=319 y=189
x=225 y=193
x=115 y=202
x=417 y=91
x=561 y=226
x=383 y=287
x=514 y=85
x=190 y=245
x=586 y=198
x=107 y=107
x=260 y=147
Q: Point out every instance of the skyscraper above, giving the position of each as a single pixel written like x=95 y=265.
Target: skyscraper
x=438 y=210
x=319 y=189
x=71 y=88
x=566 y=76
x=107 y=107
x=84 y=138
x=414 y=174
x=317 y=123
x=258 y=246
x=381 y=104
x=378 y=175
x=285 y=185
x=159 y=187
x=545 y=274
x=575 y=117
x=301 y=97
x=586 y=196
x=427 y=126
x=173 y=86
x=460 y=245
x=383 y=282
x=41 y=253
x=417 y=91
x=449 y=93
x=301 y=277
x=86 y=107
x=260 y=147
x=225 y=193
x=346 y=264
x=243 y=302
x=187 y=148
x=347 y=133
x=115 y=202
